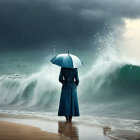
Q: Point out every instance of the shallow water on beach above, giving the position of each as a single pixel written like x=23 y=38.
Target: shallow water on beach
x=100 y=121
x=75 y=130
x=72 y=131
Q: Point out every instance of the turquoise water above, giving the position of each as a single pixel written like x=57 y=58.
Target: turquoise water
x=108 y=93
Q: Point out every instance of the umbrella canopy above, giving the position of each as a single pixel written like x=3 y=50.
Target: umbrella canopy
x=67 y=61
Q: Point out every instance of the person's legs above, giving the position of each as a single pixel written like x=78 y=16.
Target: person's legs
x=70 y=119
x=67 y=118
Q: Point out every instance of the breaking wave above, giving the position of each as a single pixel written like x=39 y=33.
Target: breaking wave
x=108 y=86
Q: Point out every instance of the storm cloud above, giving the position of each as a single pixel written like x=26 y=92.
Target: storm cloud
x=42 y=23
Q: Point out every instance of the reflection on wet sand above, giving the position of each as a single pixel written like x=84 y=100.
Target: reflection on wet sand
x=106 y=129
x=68 y=129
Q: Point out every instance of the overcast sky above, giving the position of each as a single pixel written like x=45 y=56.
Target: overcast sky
x=72 y=24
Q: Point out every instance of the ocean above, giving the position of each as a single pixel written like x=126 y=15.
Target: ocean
x=108 y=93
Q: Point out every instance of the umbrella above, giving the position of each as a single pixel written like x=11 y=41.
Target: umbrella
x=67 y=61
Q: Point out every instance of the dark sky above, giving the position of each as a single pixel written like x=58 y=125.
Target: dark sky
x=33 y=24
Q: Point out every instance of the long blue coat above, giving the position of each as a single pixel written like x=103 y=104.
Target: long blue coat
x=68 y=105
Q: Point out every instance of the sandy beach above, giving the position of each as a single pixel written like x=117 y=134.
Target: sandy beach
x=14 y=131
x=19 y=128
x=35 y=129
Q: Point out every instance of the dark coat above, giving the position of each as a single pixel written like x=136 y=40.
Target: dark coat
x=68 y=105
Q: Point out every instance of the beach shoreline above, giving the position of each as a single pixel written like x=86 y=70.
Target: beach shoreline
x=17 y=128
x=48 y=130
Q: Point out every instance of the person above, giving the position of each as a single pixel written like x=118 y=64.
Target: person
x=68 y=105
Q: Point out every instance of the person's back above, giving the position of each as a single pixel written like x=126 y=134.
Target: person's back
x=68 y=105
x=69 y=76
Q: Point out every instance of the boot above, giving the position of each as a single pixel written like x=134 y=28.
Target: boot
x=70 y=119
x=67 y=118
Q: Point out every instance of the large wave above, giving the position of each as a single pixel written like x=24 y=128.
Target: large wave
x=110 y=86
x=36 y=91
x=115 y=94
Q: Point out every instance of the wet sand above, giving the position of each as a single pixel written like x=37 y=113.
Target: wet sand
x=36 y=129
x=14 y=131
